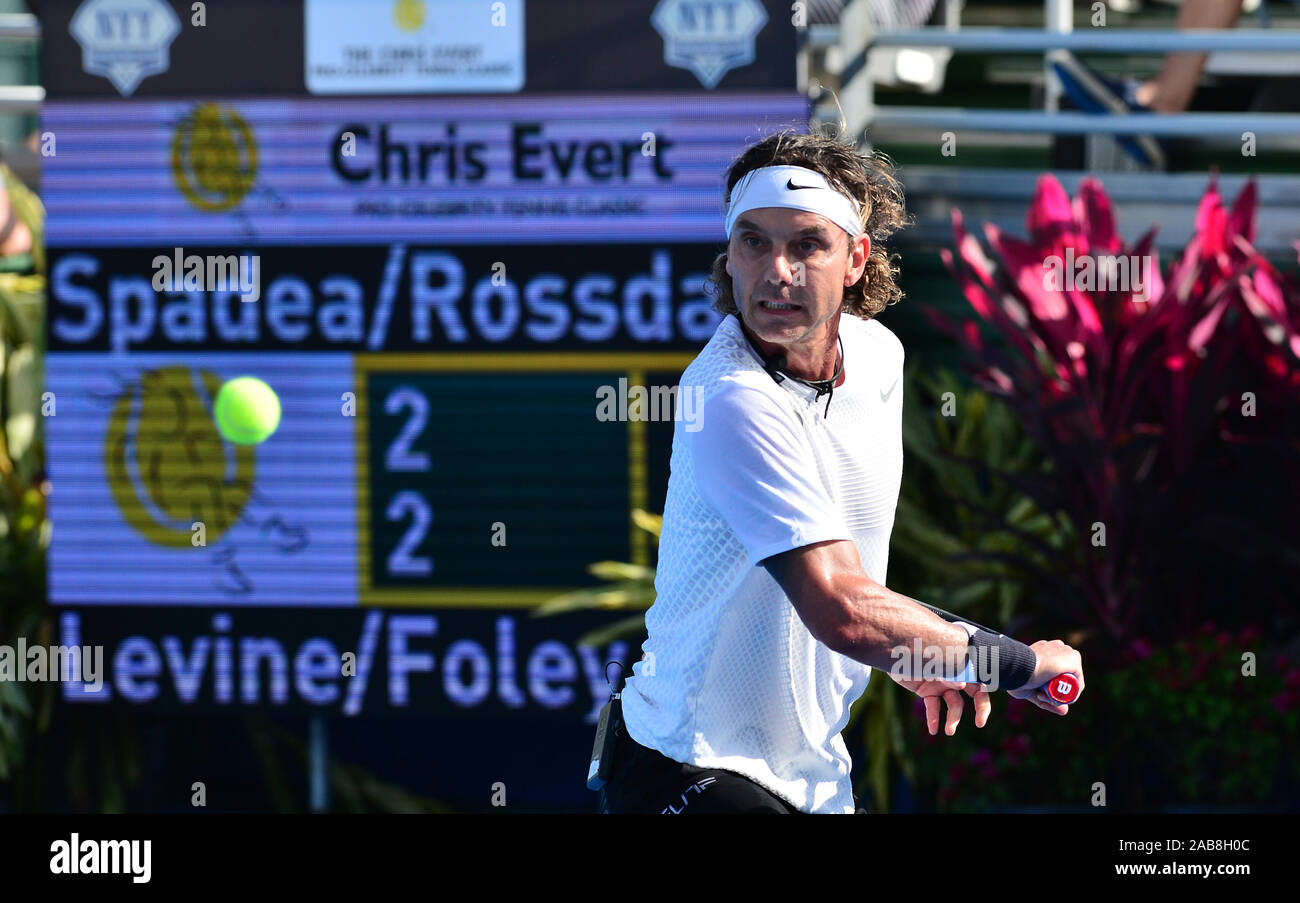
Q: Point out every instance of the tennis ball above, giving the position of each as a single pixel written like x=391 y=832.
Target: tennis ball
x=247 y=410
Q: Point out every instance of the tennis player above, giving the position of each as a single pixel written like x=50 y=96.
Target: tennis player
x=771 y=608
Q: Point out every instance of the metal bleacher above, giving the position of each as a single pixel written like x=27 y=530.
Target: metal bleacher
x=839 y=56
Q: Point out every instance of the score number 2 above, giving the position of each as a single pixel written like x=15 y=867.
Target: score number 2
x=400 y=458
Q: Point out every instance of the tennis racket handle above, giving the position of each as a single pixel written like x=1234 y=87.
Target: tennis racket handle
x=1063 y=689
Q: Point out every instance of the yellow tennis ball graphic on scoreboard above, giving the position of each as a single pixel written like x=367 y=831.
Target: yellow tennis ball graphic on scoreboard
x=166 y=462
x=214 y=157
x=247 y=410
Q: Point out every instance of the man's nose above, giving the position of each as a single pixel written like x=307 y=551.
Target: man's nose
x=780 y=270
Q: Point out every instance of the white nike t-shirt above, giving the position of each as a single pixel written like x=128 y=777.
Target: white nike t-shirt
x=731 y=677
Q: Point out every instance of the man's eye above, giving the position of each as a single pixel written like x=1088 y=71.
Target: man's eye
x=749 y=238
x=811 y=246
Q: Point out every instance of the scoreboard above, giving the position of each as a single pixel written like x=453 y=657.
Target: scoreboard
x=452 y=283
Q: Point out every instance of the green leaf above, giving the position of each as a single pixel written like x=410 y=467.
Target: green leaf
x=626 y=596
x=23 y=401
x=13 y=697
x=877 y=736
x=621 y=570
x=12 y=320
x=347 y=796
x=964 y=597
x=625 y=629
x=111 y=797
x=274 y=778
x=44 y=711
x=651 y=523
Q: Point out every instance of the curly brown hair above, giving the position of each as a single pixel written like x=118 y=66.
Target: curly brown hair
x=868 y=178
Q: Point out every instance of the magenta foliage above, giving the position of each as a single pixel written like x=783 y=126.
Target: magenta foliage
x=1135 y=389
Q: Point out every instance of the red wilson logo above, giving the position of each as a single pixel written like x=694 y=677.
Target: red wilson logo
x=1063 y=689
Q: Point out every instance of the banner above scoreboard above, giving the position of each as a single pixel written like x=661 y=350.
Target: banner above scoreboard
x=448 y=170
x=170 y=48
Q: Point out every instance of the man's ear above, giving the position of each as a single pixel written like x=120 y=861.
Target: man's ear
x=859 y=251
x=729 y=272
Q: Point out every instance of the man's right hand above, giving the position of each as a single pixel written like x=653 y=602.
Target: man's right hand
x=1054 y=657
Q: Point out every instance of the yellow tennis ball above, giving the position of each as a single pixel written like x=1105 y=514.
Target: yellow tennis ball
x=247 y=410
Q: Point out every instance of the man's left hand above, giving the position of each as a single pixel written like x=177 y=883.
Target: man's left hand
x=935 y=692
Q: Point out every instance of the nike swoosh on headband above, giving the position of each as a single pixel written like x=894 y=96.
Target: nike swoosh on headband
x=793 y=187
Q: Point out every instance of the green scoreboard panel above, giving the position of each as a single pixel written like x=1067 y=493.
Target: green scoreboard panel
x=489 y=478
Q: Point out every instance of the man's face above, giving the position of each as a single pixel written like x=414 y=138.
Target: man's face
x=789 y=269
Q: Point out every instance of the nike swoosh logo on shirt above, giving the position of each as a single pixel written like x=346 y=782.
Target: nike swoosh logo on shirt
x=884 y=396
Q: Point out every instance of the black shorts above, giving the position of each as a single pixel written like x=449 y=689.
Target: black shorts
x=647 y=782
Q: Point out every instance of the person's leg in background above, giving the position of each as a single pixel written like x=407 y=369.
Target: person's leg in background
x=1172 y=90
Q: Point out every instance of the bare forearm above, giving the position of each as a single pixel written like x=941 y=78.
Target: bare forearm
x=885 y=630
x=857 y=617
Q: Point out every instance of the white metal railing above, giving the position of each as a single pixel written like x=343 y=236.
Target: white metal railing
x=22 y=28
x=856 y=40
x=1107 y=40
x=1036 y=121
x=21 y=98
x=19 y=27
x=1001 y=196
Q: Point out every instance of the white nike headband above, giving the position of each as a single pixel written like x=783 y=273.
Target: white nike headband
x=794 y=187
